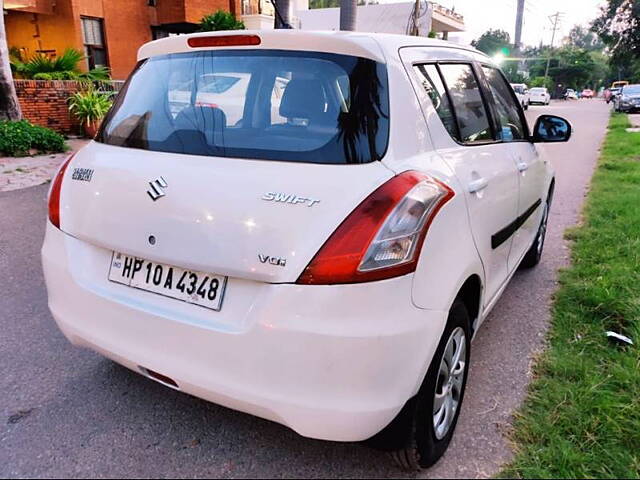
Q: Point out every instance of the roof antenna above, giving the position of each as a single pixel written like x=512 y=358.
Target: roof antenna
x=283 y=24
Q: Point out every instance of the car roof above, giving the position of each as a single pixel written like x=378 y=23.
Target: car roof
x=375 y=46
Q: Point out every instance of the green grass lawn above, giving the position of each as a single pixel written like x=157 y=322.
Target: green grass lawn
x=582 y=415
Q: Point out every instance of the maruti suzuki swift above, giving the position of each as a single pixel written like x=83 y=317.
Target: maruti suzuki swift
x=308 y=227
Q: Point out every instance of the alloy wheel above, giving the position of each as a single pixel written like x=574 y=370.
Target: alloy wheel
x=450 y=383
x=543 y=229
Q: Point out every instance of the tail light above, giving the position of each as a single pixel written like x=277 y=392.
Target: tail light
x=54 y=195
x=383 y=236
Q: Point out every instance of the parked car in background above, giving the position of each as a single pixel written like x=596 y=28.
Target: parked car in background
x=313 y=262
x=587 y=93
x=570 y=94
x=628 y=100
x=539 y=95
x=522 y=92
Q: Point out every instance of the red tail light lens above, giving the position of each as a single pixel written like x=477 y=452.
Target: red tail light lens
x=224 y=41
x=383 y=236
x=54 y=195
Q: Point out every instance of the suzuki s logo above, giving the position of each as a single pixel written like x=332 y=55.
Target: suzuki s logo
x=155 y=192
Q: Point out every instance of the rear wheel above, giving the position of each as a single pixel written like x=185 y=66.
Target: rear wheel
x=534 y=254
x=421 y=432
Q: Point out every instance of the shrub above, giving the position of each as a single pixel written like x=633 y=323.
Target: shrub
x=17 y=138
x=46 y=140
x=221 y=20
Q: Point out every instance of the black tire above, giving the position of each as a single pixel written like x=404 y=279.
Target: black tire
x=534 y=254
x=410 y=438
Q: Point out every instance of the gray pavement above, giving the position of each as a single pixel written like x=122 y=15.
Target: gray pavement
x=67 y=412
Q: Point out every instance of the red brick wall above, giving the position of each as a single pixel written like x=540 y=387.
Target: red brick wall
x=45 y=103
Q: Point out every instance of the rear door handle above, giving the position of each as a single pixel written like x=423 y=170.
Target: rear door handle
x=523 y=166
x=478 y=185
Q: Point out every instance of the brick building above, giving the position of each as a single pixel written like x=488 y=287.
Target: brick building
x=108 y=31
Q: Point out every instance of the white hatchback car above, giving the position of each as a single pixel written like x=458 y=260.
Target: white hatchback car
x=522 y=93
x=324 y=264
x=539 y=95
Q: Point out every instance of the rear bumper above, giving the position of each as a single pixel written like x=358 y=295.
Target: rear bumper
x=330 y=362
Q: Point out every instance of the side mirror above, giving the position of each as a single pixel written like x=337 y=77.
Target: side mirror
x=550 y=128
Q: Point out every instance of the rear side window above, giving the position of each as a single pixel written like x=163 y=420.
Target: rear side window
x=511 y=124
x=260 y=104
x=464 y=101
x=471 y=114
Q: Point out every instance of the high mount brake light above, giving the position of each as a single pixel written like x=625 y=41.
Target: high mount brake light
x=54 y=195
x=224 y=41
x=383 y=236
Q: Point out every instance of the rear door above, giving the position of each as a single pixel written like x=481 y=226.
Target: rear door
x=466 y=138
x=215 y=215
x=232 y=162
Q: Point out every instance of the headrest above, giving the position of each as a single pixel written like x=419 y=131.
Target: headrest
x=302 y=98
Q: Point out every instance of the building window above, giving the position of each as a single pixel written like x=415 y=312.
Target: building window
x=94 y=45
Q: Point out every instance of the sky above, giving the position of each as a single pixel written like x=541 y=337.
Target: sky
x=481 y=15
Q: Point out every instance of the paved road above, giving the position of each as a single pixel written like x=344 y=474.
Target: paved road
x=68 y=412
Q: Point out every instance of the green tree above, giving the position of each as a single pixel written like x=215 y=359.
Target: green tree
x=619 y=28
x=324 y=4
x=492 y=42
x=220 y=20
x=540 y=82
x=582 y=37
x=573 y=68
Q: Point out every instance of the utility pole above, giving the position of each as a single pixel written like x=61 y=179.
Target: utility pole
x=519 y=19
x=555 y=19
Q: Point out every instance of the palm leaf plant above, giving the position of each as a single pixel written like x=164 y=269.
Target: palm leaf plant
x=64 y=67
x=90 y=106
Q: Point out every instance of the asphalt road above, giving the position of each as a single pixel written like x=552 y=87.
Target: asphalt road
x=67 y=412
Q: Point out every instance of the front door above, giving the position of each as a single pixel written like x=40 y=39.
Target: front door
x=530 y=166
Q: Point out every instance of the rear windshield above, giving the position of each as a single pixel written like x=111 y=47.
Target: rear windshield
x=261 y=104
x=631 y=90
x=518 y=88
x=538 y=90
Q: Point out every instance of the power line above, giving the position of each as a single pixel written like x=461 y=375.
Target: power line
x=555 y=19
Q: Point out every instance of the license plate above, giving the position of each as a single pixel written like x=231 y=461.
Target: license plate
x=199 y=288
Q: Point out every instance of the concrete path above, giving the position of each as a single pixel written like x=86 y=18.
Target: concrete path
x=22 y=172
x=66 y=412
